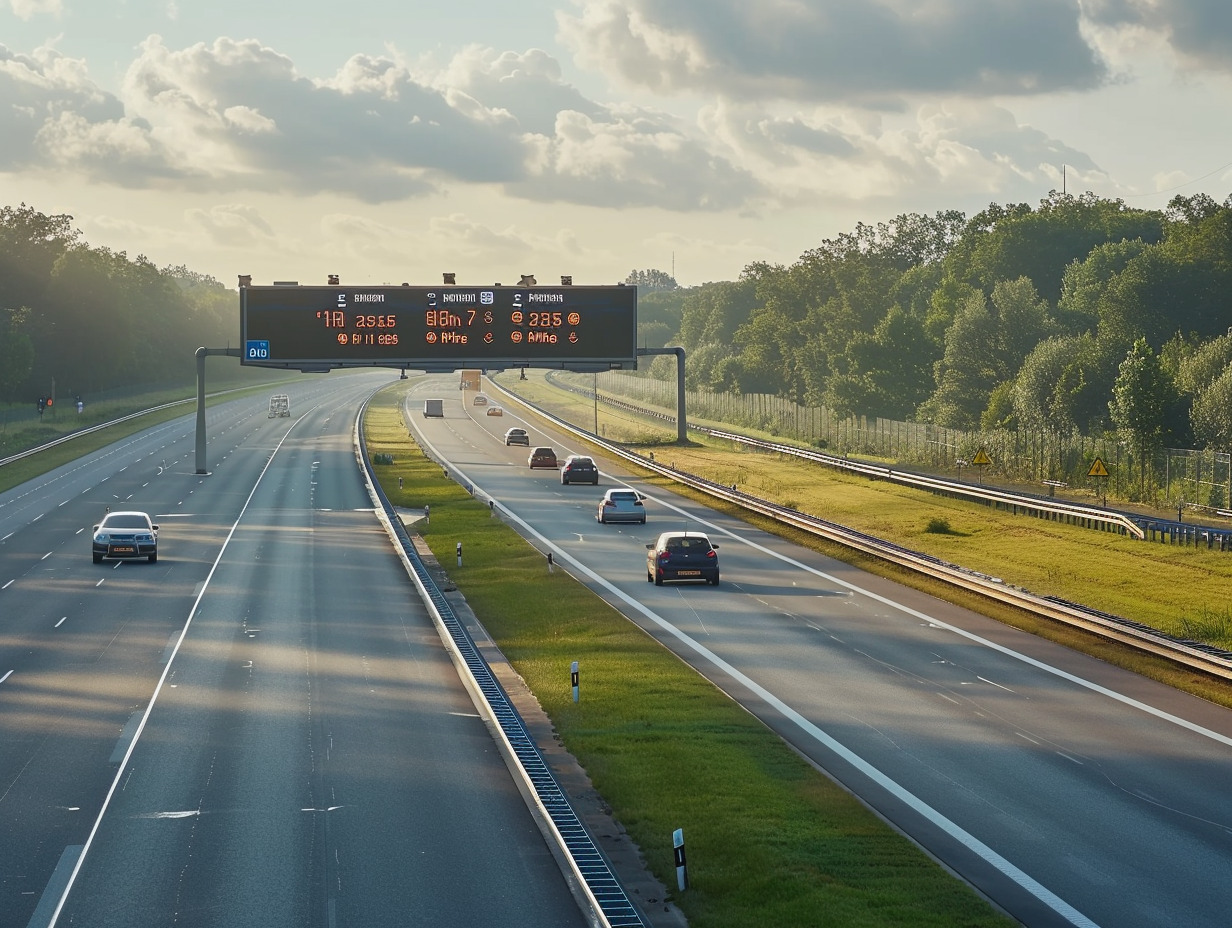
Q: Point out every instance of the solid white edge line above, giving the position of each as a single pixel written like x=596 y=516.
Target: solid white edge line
x=122 y=769
x=969 y=841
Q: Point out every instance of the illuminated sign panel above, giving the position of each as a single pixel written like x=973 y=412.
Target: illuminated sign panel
x=417 y=327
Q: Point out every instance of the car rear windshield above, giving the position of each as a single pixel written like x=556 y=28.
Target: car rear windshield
x=688 y=544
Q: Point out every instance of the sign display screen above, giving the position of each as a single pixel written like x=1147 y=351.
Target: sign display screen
x=438 y=327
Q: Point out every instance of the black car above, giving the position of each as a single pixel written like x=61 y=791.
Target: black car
x=125 y=535
x=579 y=469
x=682 y=556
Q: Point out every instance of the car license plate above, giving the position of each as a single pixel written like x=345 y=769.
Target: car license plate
x=123 y=549
x=688 y=573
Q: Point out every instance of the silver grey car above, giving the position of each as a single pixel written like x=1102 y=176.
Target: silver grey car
x=621 y=505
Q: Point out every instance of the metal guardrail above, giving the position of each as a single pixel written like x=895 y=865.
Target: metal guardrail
x=1146 y=528
x=1191 y=654
x=608 y=901
x=1114 y=521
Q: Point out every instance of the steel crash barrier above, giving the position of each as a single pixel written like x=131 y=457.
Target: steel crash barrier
x=1191 y=654
x=605 y=897
x=1049 y=507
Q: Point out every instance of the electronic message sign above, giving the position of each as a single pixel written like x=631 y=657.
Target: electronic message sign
x=439 y=328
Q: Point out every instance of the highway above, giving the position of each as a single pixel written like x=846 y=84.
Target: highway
x=262 y=728
x=1068 y=791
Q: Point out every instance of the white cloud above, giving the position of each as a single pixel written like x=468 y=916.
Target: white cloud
x=234 y=225
x=872 y=51
x=28 y=9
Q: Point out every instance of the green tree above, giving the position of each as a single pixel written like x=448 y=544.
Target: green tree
x=1212 y=413
x=1039 y=244
x=1141 y=397
x=16 y=352
x=651 y=280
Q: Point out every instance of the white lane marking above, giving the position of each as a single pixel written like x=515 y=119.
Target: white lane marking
x=970 y=636
x=122 y=767
x=909 y=799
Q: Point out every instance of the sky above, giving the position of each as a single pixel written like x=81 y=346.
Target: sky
x=390 y=141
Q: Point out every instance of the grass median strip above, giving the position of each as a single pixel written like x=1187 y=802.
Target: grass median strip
x=771 y=841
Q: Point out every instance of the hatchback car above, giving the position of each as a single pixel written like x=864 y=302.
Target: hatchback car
x=682 y=556
x=579 y=469
x=542 y=457
x=125 y=535
x=517 y=437
x=621 y=505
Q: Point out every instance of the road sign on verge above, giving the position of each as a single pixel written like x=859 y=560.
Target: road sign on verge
x=1097 y=469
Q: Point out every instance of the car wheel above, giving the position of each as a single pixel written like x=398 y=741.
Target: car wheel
x=98 y=558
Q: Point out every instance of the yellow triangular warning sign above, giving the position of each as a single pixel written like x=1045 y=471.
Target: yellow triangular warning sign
x=1098 y=469
x=981 y=459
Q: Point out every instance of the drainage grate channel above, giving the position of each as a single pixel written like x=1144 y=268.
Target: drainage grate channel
x=613 y=902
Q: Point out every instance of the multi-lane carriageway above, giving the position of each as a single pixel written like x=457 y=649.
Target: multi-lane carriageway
x=305 y=757
x=262 y=728
x=1069 y=791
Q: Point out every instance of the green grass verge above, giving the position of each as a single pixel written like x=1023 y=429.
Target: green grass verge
x=771 y=840
x=30 y=435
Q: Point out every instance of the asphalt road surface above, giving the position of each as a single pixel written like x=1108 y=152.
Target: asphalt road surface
x=1066 y=790
x=262 y=728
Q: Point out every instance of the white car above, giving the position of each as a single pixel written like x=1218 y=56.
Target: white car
x=621 y=504
x=125 y=535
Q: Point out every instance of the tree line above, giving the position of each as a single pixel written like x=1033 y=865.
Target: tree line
x=91 y=319
x=1081 y=315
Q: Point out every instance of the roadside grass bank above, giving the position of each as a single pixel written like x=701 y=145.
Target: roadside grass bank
x=771 y=841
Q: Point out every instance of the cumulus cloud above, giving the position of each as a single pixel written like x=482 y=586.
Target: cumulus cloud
x=236 y=114
x=234 y=225
x=1199 y=31
x=833 y=154
x=826 y=50
x=28 y=9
